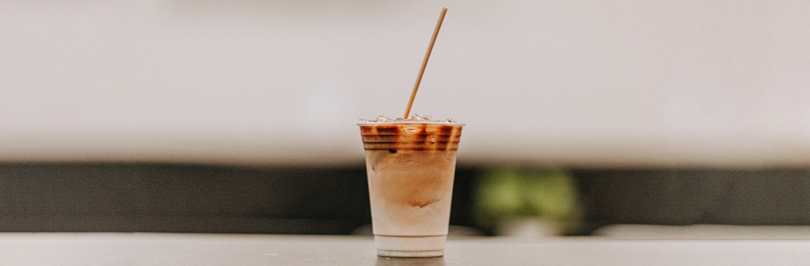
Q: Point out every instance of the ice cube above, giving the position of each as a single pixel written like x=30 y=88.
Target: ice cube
x=418 y=118
x=383 y=118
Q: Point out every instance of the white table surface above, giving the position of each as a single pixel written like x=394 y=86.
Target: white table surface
x=226 y=249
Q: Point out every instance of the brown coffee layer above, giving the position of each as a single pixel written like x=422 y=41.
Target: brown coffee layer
x=410 y=136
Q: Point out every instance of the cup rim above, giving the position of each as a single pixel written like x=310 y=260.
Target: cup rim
x=409 y=122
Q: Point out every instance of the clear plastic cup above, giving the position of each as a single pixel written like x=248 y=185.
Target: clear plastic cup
x=410 y=168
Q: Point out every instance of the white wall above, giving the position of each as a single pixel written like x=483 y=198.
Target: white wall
x=572 y=83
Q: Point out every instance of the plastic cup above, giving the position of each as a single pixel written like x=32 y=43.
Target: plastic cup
x=410 y=168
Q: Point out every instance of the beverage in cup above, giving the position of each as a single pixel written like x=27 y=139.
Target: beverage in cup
x=410 y=165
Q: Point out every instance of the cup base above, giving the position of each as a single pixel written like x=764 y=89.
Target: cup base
x=410 y=246
x=410 y=253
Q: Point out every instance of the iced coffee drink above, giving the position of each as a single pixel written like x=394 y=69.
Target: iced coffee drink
x=410 y=165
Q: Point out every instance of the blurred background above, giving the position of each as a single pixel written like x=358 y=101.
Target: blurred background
x=239 y=116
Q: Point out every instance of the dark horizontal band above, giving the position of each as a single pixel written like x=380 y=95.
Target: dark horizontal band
x=414 y=139
x=406 y=146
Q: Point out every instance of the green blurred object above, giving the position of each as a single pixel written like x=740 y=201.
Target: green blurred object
x=509 y=193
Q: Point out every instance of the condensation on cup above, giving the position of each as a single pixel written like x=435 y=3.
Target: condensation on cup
x=410 y=165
